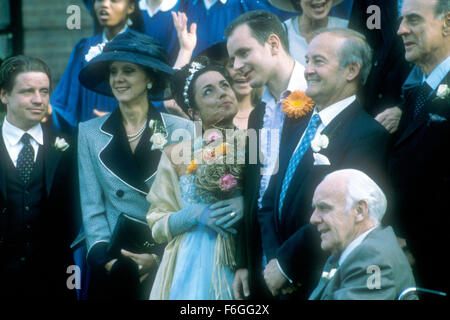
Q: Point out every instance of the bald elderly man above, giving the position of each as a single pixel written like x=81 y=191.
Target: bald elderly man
x=366 y=261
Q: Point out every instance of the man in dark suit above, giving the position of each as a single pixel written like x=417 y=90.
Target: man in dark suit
x=367 y=262
x=258 y=46
x=337 y=134
x=419 y=157
x=37 y=190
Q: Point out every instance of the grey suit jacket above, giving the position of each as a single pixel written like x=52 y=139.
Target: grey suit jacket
x=110 y=182
x=375 y=270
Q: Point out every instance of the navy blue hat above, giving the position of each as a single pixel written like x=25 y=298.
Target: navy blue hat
x=133 y=47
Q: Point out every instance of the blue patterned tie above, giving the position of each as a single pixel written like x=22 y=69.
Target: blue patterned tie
x=25 y=161
x=297 y=156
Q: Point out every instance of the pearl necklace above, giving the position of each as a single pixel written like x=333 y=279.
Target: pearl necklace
x=134 y=136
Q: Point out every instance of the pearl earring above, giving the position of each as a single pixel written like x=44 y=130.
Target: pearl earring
x=129 y=22
x=149 y=85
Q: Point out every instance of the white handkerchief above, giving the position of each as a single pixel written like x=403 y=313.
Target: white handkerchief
x=320 y=160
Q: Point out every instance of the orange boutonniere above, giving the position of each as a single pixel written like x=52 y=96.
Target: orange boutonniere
x=192 y=167
x=297 y=104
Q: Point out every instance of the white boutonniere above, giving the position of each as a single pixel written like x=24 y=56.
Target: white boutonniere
x=329 y=275
x=442 y=91
x=94 y=51
x=159 y=134
x=319 y=142
x=61 y=144
x=320 y=159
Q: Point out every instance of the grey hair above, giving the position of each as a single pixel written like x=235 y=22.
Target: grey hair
x=361 y=187
x=354 y=49
x=441 y=8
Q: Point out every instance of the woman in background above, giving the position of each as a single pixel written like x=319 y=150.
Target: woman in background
x=71 y=102
x=314 y=15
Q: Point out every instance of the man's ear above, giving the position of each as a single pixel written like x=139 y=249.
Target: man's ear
x=3 y=96
x=362 y=210
x=274 y=43
x=354 y=69
x=446 y=26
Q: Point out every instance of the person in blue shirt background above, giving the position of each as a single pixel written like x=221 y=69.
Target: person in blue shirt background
x=72 y=103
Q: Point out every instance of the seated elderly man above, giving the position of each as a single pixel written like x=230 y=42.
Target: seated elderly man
x=366 y=260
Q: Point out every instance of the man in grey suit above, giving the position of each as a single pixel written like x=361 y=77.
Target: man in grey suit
x=367 y=261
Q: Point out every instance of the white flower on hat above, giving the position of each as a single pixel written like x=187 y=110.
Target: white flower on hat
x=94 y=51
x=61 y=144
x=319 y=142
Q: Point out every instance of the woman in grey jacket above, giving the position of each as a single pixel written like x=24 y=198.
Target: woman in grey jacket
x=118 y=157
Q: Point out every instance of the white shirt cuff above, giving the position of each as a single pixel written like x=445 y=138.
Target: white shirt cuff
x=284 y=274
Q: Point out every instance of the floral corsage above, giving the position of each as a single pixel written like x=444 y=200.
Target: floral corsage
x=443 y=92
x=159 y=134
x=61 y=144
x=297 y=104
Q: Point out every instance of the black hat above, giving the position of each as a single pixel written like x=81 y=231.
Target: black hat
x=133 y=47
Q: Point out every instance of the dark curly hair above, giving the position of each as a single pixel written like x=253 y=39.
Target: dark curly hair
x=178 y=81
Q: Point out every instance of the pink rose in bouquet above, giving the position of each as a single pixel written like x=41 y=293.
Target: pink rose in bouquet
x=228 y=182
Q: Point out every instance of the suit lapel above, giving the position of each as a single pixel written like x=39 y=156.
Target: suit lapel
x=337 y=136
x=421 y=121
x=317 y=293
x=118 y=158
x=51 y=158
x=4 y=157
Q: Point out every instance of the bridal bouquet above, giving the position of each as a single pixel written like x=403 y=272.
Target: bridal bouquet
x=218 y=165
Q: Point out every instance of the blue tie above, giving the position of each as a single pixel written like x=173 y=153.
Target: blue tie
x=25 y=161
x=297 y=156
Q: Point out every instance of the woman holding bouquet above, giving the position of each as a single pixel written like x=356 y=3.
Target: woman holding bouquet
x=196 y=201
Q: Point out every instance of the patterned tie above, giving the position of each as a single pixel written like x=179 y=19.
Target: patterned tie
x=297 y=156
x=25 y=161
x=423 y=93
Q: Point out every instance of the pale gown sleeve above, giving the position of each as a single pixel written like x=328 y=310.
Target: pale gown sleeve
x=165 y=199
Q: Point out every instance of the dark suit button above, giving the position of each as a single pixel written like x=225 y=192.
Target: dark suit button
x=375 y=63
x=26 y=192
x=28 y=227
x=380 y=96
x=27 y=208
x=120 y=193
x=4 y=210
x=23 y=259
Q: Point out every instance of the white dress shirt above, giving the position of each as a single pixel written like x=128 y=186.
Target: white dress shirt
x=273 y=125
x=352 y=245
x=438 y=74
x=328 y=114
x=12 y=136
